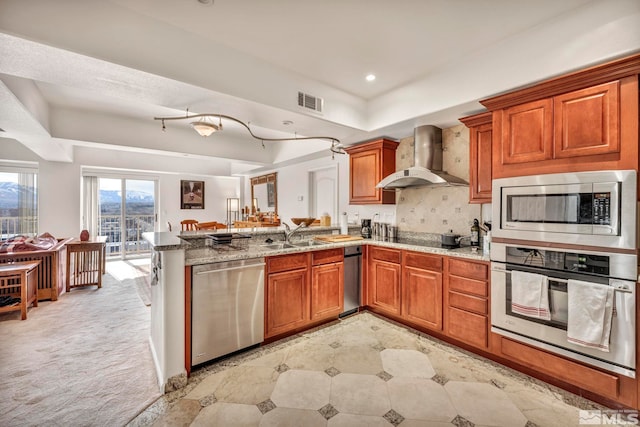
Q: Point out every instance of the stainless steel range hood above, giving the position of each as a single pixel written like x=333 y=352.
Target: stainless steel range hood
x=427 y=163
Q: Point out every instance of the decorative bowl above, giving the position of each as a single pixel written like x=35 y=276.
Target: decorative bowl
x=307 y=221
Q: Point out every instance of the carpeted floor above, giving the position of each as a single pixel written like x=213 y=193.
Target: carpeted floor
x=83 y=360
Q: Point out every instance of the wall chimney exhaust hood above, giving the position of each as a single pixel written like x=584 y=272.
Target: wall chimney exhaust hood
x=427 y=164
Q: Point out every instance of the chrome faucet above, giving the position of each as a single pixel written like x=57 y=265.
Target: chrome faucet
x=288 y=233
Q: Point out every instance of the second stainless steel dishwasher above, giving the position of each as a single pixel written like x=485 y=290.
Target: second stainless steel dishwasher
x=227 y=308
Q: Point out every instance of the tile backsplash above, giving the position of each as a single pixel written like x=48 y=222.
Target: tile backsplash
x=438 y=209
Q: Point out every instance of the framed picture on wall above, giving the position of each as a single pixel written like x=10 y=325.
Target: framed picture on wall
x=191 y=194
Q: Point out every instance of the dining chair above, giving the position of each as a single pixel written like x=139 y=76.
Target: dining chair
x=188 y=224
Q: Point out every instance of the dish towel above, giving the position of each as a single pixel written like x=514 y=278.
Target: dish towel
x=530 y=294
x=590 y=312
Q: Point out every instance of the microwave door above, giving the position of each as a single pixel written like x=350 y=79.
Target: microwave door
x=546 y=208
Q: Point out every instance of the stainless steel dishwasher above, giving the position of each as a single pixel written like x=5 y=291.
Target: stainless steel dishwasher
x=352 y=279
x=227 y=308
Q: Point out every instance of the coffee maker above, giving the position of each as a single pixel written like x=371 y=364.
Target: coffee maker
x=366 y=229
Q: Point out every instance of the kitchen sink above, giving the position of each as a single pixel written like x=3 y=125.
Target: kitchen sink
x=278 y=246
x=308 y=243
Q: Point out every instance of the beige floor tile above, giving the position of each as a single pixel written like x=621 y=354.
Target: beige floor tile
x=310 y=356
x=228 y=414
x=423 y=423
x=420 y=399
x=270 y=360
x=287 y=417
x=182 y=413
x=357 y=359
x=407 y=363
x=484 y=404
x=350 y=420
x=543 y=409
x=208 y=385
x=247 y=384
x=391 y=338
x=302 y=390
x=359 y=394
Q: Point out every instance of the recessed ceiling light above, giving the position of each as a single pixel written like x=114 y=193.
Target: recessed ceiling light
x=287 y=122
x=206 y=2
x=370 y=77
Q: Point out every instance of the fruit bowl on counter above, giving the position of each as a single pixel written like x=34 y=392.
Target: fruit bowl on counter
x=307 y=221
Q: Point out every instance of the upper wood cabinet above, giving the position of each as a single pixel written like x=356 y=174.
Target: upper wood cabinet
x=368 y=164
x=480 y=151
x=583 y=121
x=527 y=132
x=586 y=122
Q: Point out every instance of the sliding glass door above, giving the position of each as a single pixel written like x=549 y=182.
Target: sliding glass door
x=127 y=208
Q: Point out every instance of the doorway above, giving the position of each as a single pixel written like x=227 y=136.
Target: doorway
x=127 y=208
x=323 y=192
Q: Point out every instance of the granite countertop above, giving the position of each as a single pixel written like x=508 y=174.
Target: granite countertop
x=196 y=252
x=204 y=255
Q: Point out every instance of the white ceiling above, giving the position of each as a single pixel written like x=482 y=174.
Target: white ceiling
x=96 y=72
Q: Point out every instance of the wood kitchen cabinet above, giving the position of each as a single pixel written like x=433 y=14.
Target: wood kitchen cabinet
x=467 y=302
x=480 y=152
x=583 y=121
x=384 y=278
x=287 y=305
x=368 y=164
x=327 y=284
x=422 y=289
x=303 y=289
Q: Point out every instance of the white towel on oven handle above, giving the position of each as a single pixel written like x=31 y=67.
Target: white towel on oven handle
x=530 y=294
x=590 y=312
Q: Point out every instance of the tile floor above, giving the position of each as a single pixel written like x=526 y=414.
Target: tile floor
x=363 y=371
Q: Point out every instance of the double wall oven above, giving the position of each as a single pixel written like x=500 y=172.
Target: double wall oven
x=573 y=227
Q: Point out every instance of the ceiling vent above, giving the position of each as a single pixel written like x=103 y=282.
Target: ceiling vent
x=310 y=102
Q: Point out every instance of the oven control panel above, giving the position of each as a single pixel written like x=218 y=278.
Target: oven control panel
x=559 y=260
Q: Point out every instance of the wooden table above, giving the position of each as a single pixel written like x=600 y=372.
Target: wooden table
x=86 y=262
x=23 y=276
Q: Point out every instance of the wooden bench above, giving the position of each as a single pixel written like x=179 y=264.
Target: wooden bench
x=20 y=280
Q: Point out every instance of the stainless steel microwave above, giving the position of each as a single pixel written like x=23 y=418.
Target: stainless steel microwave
x=585 y=208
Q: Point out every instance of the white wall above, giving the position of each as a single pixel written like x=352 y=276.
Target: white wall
x=60 y=185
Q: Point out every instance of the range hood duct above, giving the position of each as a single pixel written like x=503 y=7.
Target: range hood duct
x=427 y=164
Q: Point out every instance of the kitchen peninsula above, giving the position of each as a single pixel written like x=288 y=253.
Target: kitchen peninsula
x=174 y=256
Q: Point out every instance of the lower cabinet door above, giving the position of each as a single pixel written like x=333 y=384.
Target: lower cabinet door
x=287 y=301
x=422 y=297
x=327 y=290
x=467 y=327
x=384 y=287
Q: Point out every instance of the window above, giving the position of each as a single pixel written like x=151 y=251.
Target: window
x=18 y=202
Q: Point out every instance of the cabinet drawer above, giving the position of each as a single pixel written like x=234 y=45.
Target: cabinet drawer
x=384 y=254
x=423 y=261
x=467 y=327
x=287 y=262
x=472 y=270
x=327 y=256
x=468 y=286
x=469 y=303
